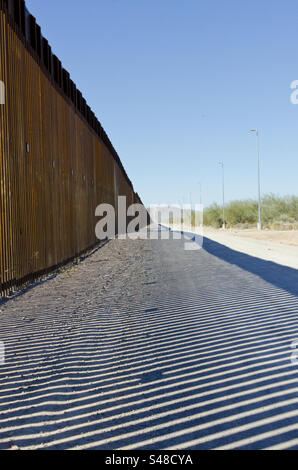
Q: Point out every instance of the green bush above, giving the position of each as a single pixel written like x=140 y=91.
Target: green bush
x=276 y=210
x=242 y=212
x=213 y=216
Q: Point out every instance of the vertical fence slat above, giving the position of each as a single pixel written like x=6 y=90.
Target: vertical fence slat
x=55 y=168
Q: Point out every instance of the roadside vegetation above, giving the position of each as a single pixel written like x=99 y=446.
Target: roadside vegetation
x=278 y=213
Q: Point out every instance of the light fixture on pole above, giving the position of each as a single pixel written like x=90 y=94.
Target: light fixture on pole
x=223 y=195
x=259 y=179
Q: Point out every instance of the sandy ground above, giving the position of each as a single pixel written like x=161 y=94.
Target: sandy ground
x=278 y=246
x=284 y=237
x=144 y=345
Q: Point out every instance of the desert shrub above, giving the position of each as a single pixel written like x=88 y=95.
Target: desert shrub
x=276 y=211
x=213 y=216
x=242 y=212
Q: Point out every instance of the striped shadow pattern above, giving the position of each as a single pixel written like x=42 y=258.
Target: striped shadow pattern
x=147 y=346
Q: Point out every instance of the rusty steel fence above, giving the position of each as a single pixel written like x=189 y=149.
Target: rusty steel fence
x=56 y=161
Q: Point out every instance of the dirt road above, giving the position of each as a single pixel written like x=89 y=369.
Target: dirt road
x=147 y=346
x=279 y=247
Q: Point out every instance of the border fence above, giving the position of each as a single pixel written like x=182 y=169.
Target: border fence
x=56 y=161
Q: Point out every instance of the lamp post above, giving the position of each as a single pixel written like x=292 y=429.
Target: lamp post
x=259 y=179
x=201 y=207
x=223 y=195
x=200 y=184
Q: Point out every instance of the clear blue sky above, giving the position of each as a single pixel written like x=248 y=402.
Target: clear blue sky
x=178 y=84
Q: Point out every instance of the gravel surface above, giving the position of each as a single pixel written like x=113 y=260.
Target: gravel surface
x=144 y=345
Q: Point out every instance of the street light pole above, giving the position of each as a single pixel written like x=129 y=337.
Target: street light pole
x=223 y=195
x=200 y=184
x=201 y=207
x=259 y=179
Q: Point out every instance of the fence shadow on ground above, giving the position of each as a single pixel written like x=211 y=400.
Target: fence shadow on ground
x=280 y=276
x=193 y=354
